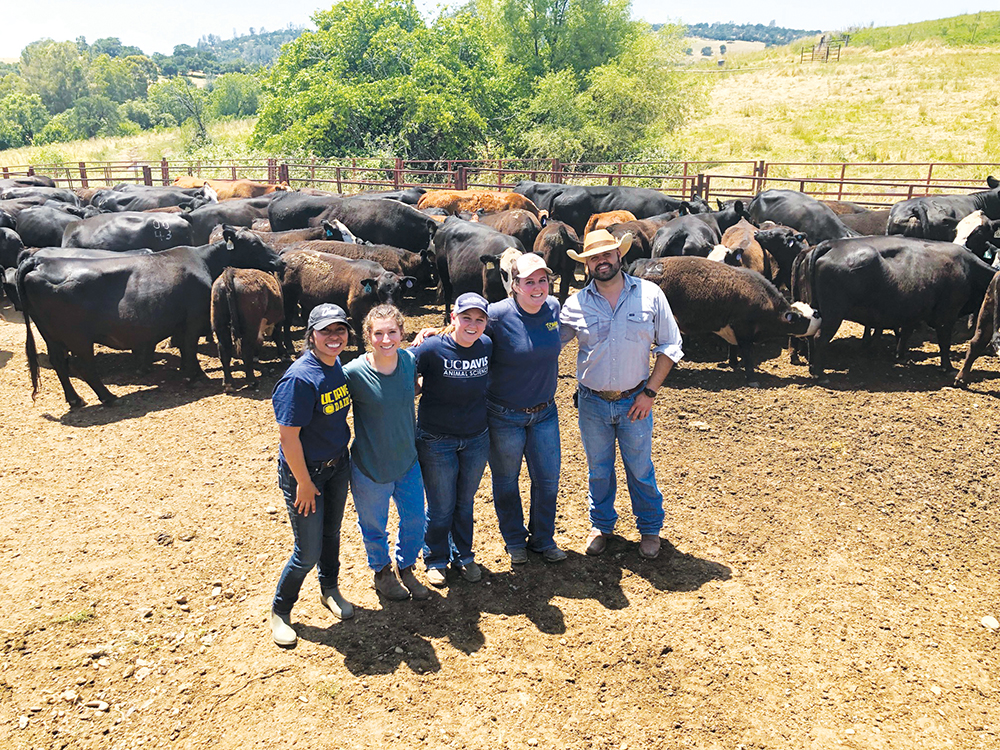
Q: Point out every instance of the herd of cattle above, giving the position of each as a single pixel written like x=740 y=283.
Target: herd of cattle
x=131 y=266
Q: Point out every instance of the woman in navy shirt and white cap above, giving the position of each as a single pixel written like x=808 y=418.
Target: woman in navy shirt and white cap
x=310 y=405
x=453 y=442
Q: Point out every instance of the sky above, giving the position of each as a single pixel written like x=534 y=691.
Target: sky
x=158 y=25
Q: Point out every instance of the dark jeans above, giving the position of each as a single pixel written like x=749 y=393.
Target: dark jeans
x=533 y=438
x=317 y=536
x=452 y=468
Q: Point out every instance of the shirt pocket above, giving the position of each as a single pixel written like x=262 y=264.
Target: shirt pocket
x=594 y=333
x=639 y=325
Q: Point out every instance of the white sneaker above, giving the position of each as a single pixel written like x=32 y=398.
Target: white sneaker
x=281 y=630
x=437 y=577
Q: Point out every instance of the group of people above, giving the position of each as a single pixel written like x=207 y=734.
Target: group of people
x=487 y=383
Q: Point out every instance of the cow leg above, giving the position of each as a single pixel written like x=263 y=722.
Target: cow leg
x=817 y=361
x=88 y=371
x=359 y=334
x=793 y=351
x=734 y=361
x=284 y=354
x=565 y=279
x=745 y=347
x=903 y=343
x=249 y=347
x=189 y=353
x=143 y=359
x=978 y=344
x=225 y=358
x=59 y=358
x=944 y=344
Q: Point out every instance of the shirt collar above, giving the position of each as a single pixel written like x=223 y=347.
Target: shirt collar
x=630 y=284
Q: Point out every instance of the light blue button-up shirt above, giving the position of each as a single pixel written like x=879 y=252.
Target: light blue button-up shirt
x=615 y=344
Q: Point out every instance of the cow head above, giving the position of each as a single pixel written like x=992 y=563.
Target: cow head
x=244 y=249
x=992 y=182
x=338 y=232
x=388 y=287
x=803 y=320
x=7 y=221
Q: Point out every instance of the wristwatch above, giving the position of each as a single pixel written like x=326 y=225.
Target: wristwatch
x=649 y=392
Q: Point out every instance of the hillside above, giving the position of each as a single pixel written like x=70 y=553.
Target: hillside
x=971 y=29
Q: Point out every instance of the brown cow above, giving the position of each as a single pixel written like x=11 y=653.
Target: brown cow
x=986 y=333
x=246 y=306
x=403 y=262
x=227 y=189
x=518 y=223
x=744 y=250
x=491 y=201
x=642 y=231
x=279 y=240
x=605 y=220
x=552 y=243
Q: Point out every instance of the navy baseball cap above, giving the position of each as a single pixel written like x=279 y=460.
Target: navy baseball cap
x=325 y=314
x=470 y=300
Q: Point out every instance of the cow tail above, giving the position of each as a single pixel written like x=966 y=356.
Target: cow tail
x=29 y=339
x=235 y=324
x=925 y=222
x=814 y=255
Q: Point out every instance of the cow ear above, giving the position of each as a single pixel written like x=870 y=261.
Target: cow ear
x=740 y=209
x=992 y=181
x=409 y=282
x=490 y=261
x=685 y=208
x=229 y=235
x=369 y=285
x=799 y=237
x=721 y=204
x=328 y=227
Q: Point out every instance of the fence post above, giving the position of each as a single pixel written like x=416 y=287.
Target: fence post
x=556 y=171
x=31 y=171
x=840 y=187
x=395 y=173
x=461 y=178
x=698 y=187
x=165 y=171
x=283 y=173
x=83 y=175
x=312 y=169
x=272 y=171
x=930 y=171
x=147 y=175
x=340 y=190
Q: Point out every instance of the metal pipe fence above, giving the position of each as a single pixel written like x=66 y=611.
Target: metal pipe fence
x=868 y=183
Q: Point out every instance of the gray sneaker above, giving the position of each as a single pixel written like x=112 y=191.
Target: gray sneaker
x=334 y=601
x=409 y=579
x=389 y=586
x=471 y=572
x=518 y=555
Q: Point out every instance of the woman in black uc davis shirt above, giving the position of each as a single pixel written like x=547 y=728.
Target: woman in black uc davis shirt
x=310 y=406
x=453 y=443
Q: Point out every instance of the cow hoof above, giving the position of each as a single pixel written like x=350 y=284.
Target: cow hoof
x=76 y=403
x=959 y=383
x=110 y=401
x=229 y=388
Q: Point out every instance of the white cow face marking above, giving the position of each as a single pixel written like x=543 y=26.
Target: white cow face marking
x=815 y=321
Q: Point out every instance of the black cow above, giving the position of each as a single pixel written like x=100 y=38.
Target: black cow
x=15 y=206
x=35 y=180
x=10 y=247
x=312 y=278
x=380 y=221
x=935 y=217
x=144 y=198
x=237 y=212
x=867 y=223
x=736 y=304
x=575 y=204
x=43 y=226
x=801 y=212
x=49 y=193
x=128 y=302
x=889 y=282
x=410 y=196
x=460 y=248
x=553 y=244
x=129 y=230
x=685 y=235
x=7 y=220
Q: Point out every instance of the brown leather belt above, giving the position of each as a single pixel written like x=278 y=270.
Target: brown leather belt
x=617 y=395
x=537 y=407
x=334 y=461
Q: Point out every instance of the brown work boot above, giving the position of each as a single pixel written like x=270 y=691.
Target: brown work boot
x=416 y=588
x=649 y=546
x=389 y=586
x=597 y=542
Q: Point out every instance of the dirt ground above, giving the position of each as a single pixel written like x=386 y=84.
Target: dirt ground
x=836 y=551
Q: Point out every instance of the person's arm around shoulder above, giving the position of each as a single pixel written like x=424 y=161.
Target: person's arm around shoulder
x=570 y=316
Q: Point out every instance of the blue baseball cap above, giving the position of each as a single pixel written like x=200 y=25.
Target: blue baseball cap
x=469 y=301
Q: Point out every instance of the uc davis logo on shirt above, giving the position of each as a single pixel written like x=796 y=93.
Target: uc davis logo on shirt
x=335 y=400
x=552 y=325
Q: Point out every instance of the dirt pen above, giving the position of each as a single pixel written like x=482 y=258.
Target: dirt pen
x=836 y=552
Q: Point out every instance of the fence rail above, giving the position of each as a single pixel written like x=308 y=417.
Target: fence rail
x=868 y=183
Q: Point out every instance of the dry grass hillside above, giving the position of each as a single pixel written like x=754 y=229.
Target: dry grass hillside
x=920 y=102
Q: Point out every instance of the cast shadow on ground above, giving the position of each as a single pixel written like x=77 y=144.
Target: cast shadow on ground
x=380 y=641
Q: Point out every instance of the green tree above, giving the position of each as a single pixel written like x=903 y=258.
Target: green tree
x=235 y=95
x=22 y=117
x=121 y=78
x=55 y=71
x=180 y=99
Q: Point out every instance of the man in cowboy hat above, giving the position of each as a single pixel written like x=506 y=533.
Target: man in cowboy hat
x=618 y=319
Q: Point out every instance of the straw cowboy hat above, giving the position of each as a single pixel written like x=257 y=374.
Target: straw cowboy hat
x=600 y=241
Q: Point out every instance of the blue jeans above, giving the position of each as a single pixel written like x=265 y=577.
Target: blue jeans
x=317 y=536
x=535 y=438
x=601 y=424
x=452 y=468
x=371 y=500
